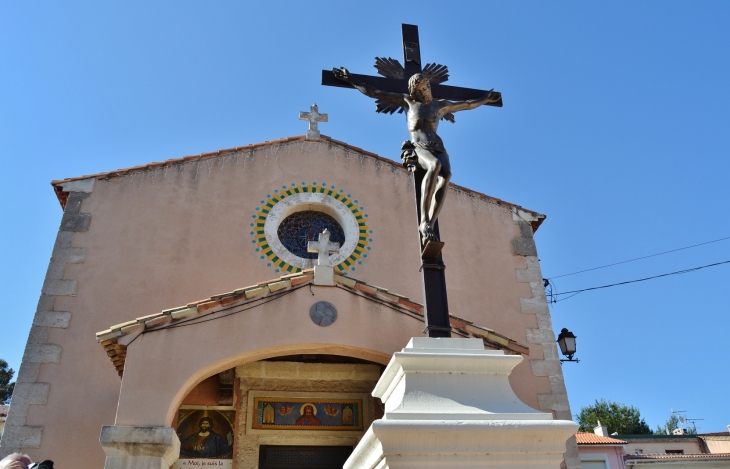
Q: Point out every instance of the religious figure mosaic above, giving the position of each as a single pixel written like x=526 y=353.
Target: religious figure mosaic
x=266 y=253
x=206 y=434
x=307 y=414
x=298 y=229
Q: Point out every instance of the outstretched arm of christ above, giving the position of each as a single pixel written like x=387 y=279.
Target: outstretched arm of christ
x=344 y=75
x=453 y=106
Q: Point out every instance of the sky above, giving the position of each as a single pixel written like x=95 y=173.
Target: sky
x=615 y=125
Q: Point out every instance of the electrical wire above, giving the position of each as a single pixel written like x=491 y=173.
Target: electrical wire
x=640 y=258
x=572 y=293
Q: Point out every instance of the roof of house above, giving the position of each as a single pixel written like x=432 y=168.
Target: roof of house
x=655 y=438
x=4 y=410
x=664 y=457
x=273 y=289
x=587 y=438
x=719 y=436
x=62 y=195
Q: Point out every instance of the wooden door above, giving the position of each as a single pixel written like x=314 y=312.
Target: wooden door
x=303 y=457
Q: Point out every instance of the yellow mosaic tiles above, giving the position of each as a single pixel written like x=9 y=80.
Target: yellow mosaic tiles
x=259 y=218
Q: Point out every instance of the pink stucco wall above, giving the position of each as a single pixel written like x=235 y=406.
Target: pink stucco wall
x=614 y=454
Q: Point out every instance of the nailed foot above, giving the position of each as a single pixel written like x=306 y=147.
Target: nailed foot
x=427 y=233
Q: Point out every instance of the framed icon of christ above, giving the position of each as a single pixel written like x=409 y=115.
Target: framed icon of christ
x=205 y=433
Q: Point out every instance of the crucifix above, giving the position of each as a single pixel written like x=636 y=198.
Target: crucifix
x=418 y=92
x=313 y=116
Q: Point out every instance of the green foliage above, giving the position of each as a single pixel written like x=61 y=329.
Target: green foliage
x=6 y=387
x=619 y=418
x=671 y=424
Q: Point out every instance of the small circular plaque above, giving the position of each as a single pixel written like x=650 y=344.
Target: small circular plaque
x=323 y=313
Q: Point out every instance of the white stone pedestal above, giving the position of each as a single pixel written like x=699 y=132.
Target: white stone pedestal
x=139 y=447
x=448 y=403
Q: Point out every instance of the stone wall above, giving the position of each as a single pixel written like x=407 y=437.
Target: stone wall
x=543 y=336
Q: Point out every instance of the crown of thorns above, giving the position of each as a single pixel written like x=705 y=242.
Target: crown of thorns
x=416 y=80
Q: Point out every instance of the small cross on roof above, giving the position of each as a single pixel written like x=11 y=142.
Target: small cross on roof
x=313 y=116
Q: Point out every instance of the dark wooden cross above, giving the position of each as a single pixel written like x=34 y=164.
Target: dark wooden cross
x=395 y=76
x=395 y=79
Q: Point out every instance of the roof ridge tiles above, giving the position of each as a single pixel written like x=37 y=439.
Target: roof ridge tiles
x=588 y=438
x=255 y=292
x=678 y=456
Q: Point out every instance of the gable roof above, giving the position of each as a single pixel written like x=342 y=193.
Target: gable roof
x=63 y=195
x=651 y=438
x=586 y=438
x=271 y=290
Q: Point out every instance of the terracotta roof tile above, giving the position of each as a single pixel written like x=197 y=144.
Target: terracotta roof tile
x=62 y=196
x=586 y=438
x=461 y=327
x=677 y=456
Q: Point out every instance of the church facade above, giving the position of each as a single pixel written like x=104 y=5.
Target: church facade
x=181 y=295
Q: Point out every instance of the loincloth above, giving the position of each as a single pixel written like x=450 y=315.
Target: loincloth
x=408 y=152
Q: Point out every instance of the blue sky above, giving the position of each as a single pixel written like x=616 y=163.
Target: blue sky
x=615 y=125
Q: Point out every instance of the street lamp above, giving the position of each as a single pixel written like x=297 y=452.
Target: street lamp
x=566 y=341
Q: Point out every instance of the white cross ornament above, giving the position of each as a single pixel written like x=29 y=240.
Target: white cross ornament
x=323 y=247
x=313 y=116
x=324 y=274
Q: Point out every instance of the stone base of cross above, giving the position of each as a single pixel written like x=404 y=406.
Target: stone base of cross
x=324 y=273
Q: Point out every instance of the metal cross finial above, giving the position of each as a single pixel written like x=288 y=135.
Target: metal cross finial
x=313 y=116
x=323 y=247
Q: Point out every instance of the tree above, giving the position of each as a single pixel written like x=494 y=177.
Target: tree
x=671 y=424
x=619 y=418
x=6 y=387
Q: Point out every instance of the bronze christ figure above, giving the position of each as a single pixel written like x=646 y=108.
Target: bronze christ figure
x=425 y=148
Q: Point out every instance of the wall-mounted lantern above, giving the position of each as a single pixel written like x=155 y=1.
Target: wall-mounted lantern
x=566 y=341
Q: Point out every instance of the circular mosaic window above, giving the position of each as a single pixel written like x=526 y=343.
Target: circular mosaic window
x=292 y=215
x=296 y=230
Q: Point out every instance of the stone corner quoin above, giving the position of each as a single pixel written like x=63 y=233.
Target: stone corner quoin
x=28 y=391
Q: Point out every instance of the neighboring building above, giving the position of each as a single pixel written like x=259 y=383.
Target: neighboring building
x=711 y=450
x=274 y=367
x=677 y=461
x=600 y=452
x=715 y=442
x=661 y=444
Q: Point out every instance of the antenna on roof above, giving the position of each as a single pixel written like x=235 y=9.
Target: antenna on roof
x=694 y=426
x=681 y=430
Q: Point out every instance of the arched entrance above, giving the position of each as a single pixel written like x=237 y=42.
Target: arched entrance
x=284 y=412
x=164 y=365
